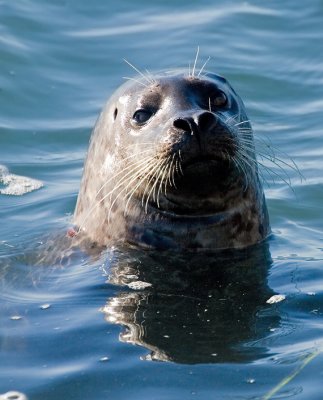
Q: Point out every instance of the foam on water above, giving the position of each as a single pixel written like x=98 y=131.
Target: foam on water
x=13 y=396
x=17 y=185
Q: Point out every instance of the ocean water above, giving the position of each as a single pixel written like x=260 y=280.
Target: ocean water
x=77 y=329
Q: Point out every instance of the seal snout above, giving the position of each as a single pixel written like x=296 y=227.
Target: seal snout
x=203 y=122
x=202 y=134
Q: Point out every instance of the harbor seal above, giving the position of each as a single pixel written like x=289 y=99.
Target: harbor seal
x=171 y=165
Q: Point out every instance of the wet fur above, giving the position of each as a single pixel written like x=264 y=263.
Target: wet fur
x=173 y=184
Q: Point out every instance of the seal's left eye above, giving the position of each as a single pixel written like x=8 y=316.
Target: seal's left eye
x=220 y=100
x=141 y=116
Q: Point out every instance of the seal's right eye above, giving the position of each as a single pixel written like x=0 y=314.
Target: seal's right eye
x=141 y=116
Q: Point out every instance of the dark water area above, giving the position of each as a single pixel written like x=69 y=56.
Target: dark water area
x=135 y=324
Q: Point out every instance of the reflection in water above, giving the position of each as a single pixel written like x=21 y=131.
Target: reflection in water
x=193 y=308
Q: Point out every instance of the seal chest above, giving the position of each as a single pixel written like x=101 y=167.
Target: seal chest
x=171 y=164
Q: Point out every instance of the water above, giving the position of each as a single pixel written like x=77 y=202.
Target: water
x=66 y=332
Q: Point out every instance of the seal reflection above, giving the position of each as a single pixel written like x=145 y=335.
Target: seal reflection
x=193 y=308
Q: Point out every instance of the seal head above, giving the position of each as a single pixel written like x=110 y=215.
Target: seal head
x=172 y=164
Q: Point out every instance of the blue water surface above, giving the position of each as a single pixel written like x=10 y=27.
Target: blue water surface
x=71 y=328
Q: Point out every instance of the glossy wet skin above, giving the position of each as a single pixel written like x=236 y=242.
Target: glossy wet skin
x=167 y=150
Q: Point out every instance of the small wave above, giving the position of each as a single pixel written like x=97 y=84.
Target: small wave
x=17 y=185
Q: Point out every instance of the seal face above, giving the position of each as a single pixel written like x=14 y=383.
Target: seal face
x=171 y=164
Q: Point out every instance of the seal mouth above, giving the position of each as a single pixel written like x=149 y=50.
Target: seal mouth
x=203 y=160
x=204 y=165
x=203 y=177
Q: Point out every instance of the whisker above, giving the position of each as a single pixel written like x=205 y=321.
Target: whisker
x=180 y=168
x=275 y=149
x=180 y=160
x=129 y=146
x=141 y=167
x=270 y=171
x=131 y=166
x=150 y=75
x=152 y=174
x=135 y=80
x=274 y=159
x=134 y=166
x=246 y=129
x=250 y=144
x=242 y=122
x=162 y=180
x=277 y=165
x=195 y=61
x=233 y=117
x=264 y=151
x=155 y=195
x=203 y=66
x=136 y=154
x=133 y=192
x=252 y=163
x=166 y=177
x=242 y=164
x=173 y=170
x=159 y=165
x=137 y=70
x=134 y=178
x=176 y=165
x=169 y=177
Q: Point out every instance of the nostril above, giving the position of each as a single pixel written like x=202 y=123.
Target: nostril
x=206 y=121
x=183 y=124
